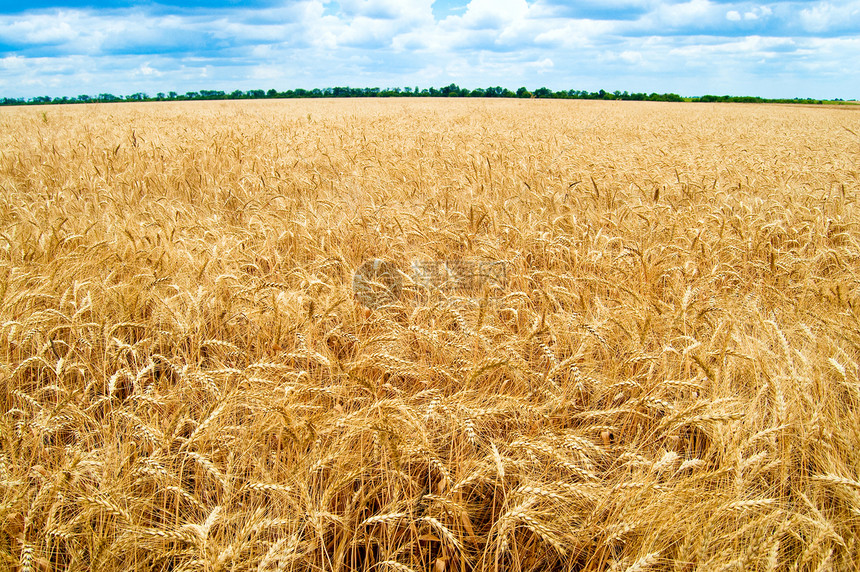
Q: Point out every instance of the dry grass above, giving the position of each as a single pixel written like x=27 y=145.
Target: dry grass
x=670 y=383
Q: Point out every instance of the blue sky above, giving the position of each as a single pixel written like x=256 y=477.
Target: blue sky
x=803 y=48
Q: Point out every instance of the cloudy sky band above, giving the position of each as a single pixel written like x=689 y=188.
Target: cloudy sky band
x=692 y=47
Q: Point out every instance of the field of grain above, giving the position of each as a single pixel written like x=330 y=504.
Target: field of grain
x=669 y=380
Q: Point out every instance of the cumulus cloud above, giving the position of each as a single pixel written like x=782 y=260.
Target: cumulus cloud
x=493 y=14
x=544 y=65
x=38 y=29
x=692 y=13
x=148 y=70
x=824 y=17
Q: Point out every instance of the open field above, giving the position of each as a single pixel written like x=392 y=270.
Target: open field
x=669 y=381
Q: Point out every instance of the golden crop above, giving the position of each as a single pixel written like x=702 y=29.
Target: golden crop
x=668 y=381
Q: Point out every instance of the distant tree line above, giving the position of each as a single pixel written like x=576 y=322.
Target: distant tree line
x=452 y=90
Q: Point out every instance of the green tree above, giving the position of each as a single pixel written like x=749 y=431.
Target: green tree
x=450 y=90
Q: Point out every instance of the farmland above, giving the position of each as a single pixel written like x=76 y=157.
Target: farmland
x=668 y=379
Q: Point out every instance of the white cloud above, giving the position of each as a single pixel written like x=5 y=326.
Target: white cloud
x=42 y=28
x=492 y=14
x=631 y=56
x=753 y=14
x=694 y=12
x=14 y=63
x=574 y=34
x=748 y=48
x=147 y=70
x=825 y=16
x=414 y=10
x=544 y=65
x=757 y=13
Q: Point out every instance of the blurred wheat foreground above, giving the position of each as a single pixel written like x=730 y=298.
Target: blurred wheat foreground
x=669 y=380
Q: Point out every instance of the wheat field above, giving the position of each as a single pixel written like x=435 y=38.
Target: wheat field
x=669 y=380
